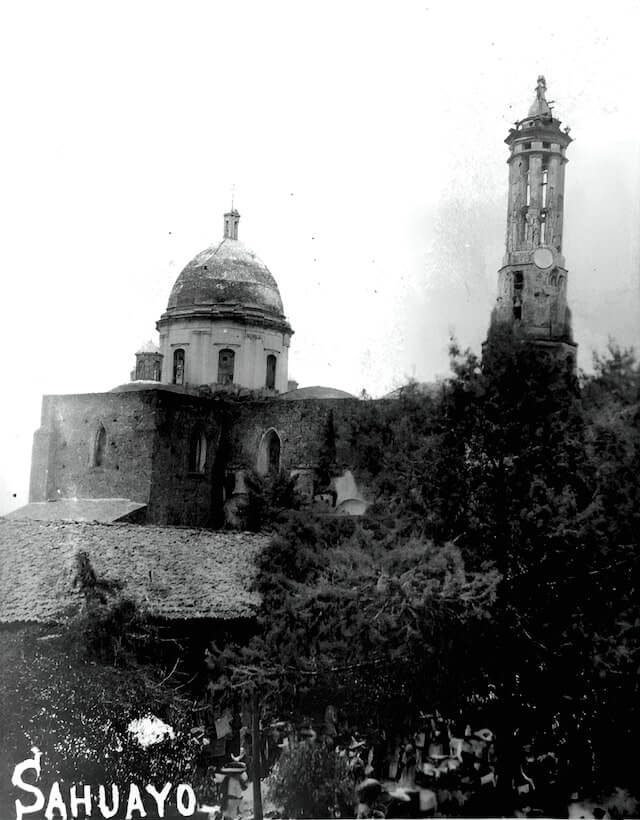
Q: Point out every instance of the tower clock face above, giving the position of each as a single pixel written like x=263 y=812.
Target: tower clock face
x=542 y=258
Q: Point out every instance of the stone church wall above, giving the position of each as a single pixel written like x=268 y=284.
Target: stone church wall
x=64 y=453
x=181 y=494
x=150 y=449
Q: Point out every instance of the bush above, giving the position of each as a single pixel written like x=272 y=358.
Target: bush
x=309 y=781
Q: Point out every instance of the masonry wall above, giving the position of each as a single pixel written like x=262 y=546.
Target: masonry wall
x=302 y=427
x=149 y=447
x=181 y=495
x=63 y=450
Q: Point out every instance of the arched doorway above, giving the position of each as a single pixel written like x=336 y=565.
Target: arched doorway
x=269 y=453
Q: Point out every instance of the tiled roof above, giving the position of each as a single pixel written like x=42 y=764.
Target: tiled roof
x=104 y=510
x=170 y=572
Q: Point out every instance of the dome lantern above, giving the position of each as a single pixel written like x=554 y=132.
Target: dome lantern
x=231 y=220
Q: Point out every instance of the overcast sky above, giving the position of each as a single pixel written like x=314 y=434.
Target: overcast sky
x=365 y=144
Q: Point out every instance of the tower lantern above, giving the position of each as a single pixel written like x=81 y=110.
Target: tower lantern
x=532 y=282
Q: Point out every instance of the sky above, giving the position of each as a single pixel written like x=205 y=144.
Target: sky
x=364 y=142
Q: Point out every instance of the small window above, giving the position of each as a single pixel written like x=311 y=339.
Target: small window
x=527 y=146
x=518 y=280
x=178 y=366
x=271 y=372
x=100 y=447
x=197 y=452
x=226 y=363
x=546 y=145
x=517 y=311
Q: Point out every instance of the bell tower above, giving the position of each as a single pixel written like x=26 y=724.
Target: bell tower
x=532 y=282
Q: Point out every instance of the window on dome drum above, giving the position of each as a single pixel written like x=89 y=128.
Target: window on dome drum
x=178 y=366
x=226 y=364
x=99 y=447
x=197 y=452
x=269 y=454
x=271 y=372
x=545 y=180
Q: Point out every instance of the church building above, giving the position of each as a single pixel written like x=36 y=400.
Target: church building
x=213 y=403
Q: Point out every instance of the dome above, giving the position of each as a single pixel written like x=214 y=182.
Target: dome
x=316 y=392
x=227 y=274
x=148 y=347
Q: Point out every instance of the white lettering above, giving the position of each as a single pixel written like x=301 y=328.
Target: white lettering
x=189 y=809
x=56 y=802
x=134 y=803
x=159 y=797
x=17 y=781
x=102 y=801
x=75 y=801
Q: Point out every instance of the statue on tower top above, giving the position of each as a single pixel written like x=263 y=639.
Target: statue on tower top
x=540 y=105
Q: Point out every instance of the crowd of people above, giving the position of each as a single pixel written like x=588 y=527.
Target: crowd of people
x=432 y=767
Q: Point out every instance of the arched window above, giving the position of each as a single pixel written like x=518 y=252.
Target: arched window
x=178 y=366
x=271 y=372
x=197 y=452
x=269 y=453
x=99 y=447
x=140 y=369
x=226 y=361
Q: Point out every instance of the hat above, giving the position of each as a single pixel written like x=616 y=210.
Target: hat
x=368 y=789
x=233 y=768
x=277 y=724
x=484 y=734
x=356 y=744
x=400 y=794
x=307 y=732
